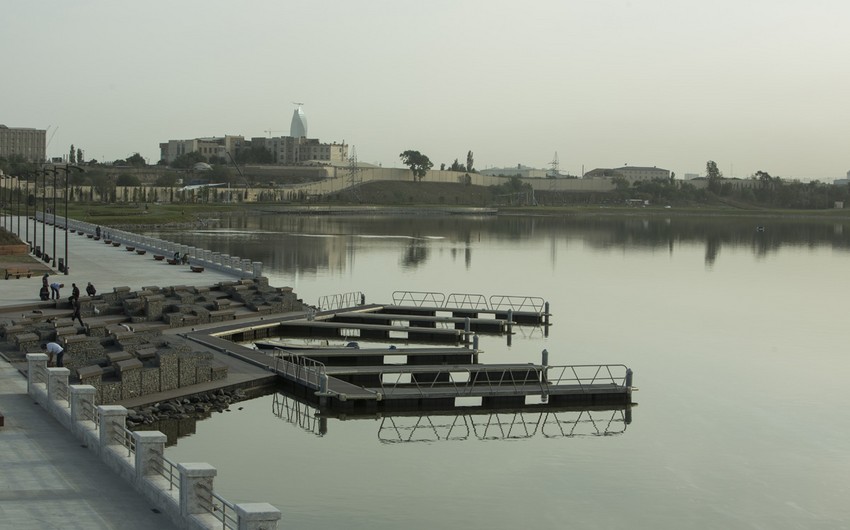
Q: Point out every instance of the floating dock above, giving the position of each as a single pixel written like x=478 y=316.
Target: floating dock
x=374 y=379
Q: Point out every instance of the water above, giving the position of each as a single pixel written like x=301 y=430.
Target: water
x=736 y=337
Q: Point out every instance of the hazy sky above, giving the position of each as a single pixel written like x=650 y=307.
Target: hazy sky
x=751 y=84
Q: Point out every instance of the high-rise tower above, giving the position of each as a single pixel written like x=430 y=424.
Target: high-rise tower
x=298 y=128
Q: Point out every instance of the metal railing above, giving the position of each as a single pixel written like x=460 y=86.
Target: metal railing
x=586 y=375
x=298 y=368
x=496 y=302
x=467 y=301
x=218 y=507
x=89 y=411
x=418 y=298
x=168 y=470
x=503 y=302
x=124 y=437
x=478 y=380
x=340 y=301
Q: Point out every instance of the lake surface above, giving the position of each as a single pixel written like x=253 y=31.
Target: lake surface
x=737 y=339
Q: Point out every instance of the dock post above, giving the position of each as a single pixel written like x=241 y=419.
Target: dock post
x=629 y=378
x=467 y=327
x=475 y=349
x=362 y=299
x=510 y=320
x=323 y=389
x=546 y=314
x=545 y=362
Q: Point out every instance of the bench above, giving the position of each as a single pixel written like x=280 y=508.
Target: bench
x=17 y=272
x=158 y=257
x=196 y=268
x=141 y=251
x=173 y=261
x=130 y=248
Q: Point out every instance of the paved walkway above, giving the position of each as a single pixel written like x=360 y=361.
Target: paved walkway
x=103 y=265
x=47 y=480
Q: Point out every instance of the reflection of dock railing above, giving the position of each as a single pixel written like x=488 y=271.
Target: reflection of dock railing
x=503 y=426
x=297 y=413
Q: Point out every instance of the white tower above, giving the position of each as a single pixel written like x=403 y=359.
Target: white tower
x=298 y=128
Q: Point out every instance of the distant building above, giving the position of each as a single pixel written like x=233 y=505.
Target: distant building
x=286 y=150
x=298 y=127
x=520 y=170
x=630 y=173
x=28 y=143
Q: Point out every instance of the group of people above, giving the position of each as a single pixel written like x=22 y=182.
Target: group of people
x=51 y=291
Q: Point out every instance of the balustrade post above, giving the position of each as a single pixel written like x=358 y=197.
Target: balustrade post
x=257 y=516
x=150 y=448
x=196 y=481
x=113 y=419
x=79 y=395
x=36 y=370
x=57 y=380
x=258 y=269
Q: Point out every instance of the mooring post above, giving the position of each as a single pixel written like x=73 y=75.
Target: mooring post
x=546 y=314
x=545 y=362
x=323 y=389
x=362 y=299
x=510 y=320
x=467 y=327
x=629 y=378
x=475 y=349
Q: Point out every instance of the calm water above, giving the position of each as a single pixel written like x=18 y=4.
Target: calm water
x=737 y=339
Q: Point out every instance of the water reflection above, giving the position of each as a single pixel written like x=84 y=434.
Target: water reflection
x=464 y=423
x=306 y=244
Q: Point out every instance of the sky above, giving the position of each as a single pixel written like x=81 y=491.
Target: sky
x=751 y=84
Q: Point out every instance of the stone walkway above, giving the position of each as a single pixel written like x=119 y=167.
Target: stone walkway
x=47 y=480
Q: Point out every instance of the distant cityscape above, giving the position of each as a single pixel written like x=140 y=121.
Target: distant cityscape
x=297 y=149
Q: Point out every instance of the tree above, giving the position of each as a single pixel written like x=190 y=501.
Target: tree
x=79 y=156
x=136 y=160
x=714 y=175
x=72 y=156
x=469 y=161
x=125 y=179
x=418 y=163
x=166 y=179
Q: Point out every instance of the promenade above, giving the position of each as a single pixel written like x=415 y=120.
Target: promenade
x=48 y=480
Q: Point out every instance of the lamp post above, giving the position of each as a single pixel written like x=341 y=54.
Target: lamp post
x=53 y=257
x=18 y=205
x=67 y=170
x=43 y=214
x=27 y=210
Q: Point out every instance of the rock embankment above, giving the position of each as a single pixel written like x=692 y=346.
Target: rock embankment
x=192 y=407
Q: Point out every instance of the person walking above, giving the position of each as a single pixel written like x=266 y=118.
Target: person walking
x=54 y=349
x=97 y=231
x=75 y=291
x=75 y=303
x=54 y=290
x=90 y=290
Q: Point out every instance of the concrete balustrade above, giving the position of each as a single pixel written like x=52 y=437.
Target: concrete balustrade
x=142 y=464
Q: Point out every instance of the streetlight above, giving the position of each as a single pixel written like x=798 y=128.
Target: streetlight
x=67 y=170
x=44 y=214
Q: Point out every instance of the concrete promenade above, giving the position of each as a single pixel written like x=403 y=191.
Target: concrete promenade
x=47 y=480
